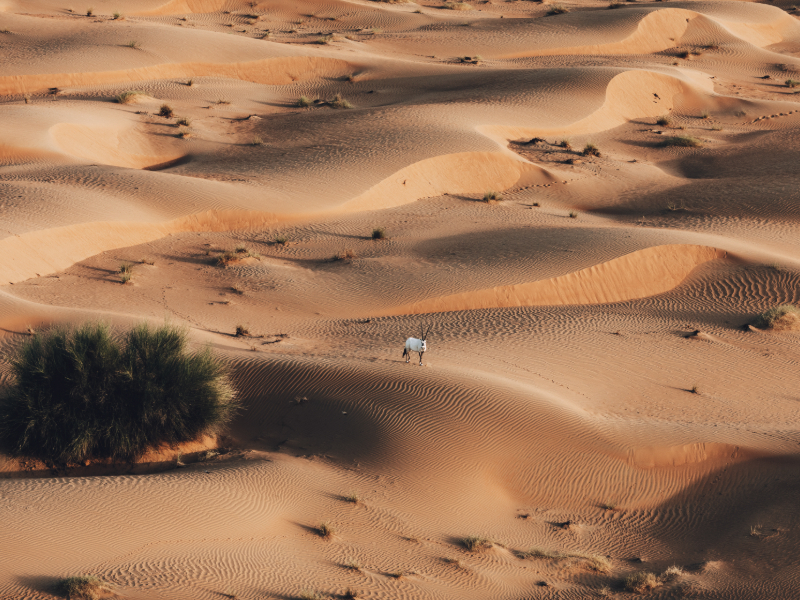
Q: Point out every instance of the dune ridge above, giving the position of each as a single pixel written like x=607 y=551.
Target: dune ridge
x=637 y=275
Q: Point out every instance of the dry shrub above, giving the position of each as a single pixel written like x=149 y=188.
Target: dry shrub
x=130 y=96
x=165 y=111
x=345 y=255
x=641 y=582
x=785 y=317
x=84 y=588
x=557 y=9
x=476 y=543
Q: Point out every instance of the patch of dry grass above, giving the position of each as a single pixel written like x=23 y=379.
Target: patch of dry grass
x=475 y=543
x=84 y=587
x=785 y=317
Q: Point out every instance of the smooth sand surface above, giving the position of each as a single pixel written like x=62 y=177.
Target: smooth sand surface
x=591 y=387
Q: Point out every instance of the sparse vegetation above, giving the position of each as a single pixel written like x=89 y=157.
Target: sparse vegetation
x=608 y=505
x=352 y=497
x=352 y=564
x=184 y=133
x=557 y=9
x=594 y=562
x=256 y=141
x=116 y=15
x=165 y=111
x=641 y=582
x=326 y=530
x=664 y=121
x=476 y=543
x=345 y=255
x=565 y=143
x=591 y=150
x=85 y=587
x=792 y=83
x=491 y=196
x=126 y=277
x=129 y=96
x=756 y=530
x=242 y=330
x=133 y=44
x=58 y=410
x=785 y=317
x=704 y=114
x=339 y=102
x=183 y=121
x=89 y=12
x=281 y=240
x=324 y=40
x=350 y=593
x=695 y=390
x=573 y=215
x=303 y=102
x=126 y=267
x=147 y=261
x=379 y=233
x=682 y=141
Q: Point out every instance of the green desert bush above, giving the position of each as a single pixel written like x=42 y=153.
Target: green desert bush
x=792 y=83
x=682 y=141
x=79 y=394
x=591 y=150
x=303 y=102
x=84 y=587
x=785 y=317
x=492 y=196
x=476 y=543
x=339 y=102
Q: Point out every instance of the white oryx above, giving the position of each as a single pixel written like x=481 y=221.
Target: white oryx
x=416 y=345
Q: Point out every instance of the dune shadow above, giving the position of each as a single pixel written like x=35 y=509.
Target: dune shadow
x=45 y=584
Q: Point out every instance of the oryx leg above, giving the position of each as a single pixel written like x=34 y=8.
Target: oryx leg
x=407 y=354
x=420 y=358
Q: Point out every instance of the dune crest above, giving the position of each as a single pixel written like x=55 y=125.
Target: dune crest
x=637 y=275
x=268 y=71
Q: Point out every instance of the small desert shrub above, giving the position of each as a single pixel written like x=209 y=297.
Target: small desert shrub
x=165 y=111
x=256 y=141
x=126 y=268
x=352 y=564
x=672 y=573
x=492 y=196
x=326 y=530
x=116 y=16
x=89 y=12
x=353 y=497
x=83 y=588
x=241 y=249
x=350 y=593
x=183 y=121
x=590 y=150
x=475 y=543
x=792 y=83
x=641 y=582
x=133 y=44
x=324 y=40
x=184 y=133
x=126 y=277
x=379 y=233
x=682 y=141
x=147 y=261
x=222 y=101
x=608 y=505
x=339 y=102
x=281 y=240
x=242 y=330
x=225 y=258
x=346 y=255
x=557 y=9
x=565 y=143
x=81 y=394
x=704 y=114
x=664 y=121
x=129 y=96
x=785 y=317
x=303 y=102
x=573 y=215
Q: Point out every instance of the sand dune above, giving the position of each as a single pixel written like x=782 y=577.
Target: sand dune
x=592 y=401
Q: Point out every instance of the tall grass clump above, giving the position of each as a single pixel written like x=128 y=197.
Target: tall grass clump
x=785 y=317
x=85 y=587
x=557 y=9
x=792 y=83
x=641 y=582
x=476 y=543
x=129 y=96
x=80 y=394
x=492 y=196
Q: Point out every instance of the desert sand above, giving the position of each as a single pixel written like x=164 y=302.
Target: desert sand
x=591 y=389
